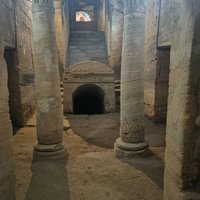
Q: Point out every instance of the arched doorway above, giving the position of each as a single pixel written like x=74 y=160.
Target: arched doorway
x=88 y=99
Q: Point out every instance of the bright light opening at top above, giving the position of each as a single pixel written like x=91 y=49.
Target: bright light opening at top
x=82 y=16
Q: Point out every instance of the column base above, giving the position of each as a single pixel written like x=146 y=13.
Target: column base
x=50 y=152
x=130 y=150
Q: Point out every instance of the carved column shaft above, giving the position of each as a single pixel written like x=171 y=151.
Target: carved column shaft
x=116 y=35
x=49 y=111
x=131 y=141
x=59 y=36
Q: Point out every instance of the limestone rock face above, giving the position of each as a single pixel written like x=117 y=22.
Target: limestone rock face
x=158 y=20
x=182 y=155
x=7 y=179
x=7 y=39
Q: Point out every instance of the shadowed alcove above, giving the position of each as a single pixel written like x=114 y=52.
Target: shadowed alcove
x=88 y=99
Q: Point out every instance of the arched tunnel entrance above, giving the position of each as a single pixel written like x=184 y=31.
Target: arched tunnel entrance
x=88 y=99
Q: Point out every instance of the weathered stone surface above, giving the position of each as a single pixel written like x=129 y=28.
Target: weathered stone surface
x=25 y=58
x=115 y=34
x=48 y=100
x=66 y=31
x=169 y=14
x=156 y=69
x=89 y=73
x=132 y=110
x=7 y=179
x=182 y=157
x=59 y=35
x=87 y=46
x=101 y=15
x=7 y=39
x=7 y=22
x=20 y=62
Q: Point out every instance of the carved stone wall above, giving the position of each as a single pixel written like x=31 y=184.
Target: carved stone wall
x=7 y=32
x=17 y=80
x=89 y=73
x=24 y=63
x=157 y=60
x=182 y=156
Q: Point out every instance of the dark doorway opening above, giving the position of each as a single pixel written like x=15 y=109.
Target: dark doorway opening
x=13 y=87
x=88 y=99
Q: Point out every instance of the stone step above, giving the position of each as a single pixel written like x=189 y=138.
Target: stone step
x=117 y=87
x=87 y=34
x=90 y=55
x=86 y=40
x=117 y=90
x=88 y=58
x=74 y=57
x=88 y=48
x=73 y=61
x=86 y=44
x=92 y=37
x=97 y=50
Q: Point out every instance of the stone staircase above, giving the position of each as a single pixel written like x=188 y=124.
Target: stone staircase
x=87 y=46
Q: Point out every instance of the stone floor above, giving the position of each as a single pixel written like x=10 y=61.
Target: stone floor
x=92 y=172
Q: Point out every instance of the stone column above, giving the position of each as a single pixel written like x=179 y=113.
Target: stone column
x=66 y=30
x=49 y=111
x=116 y=35
x=182 y=155
x=131 y=141
x=59 y=36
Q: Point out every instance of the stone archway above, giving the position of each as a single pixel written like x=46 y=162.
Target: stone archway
x=88 y=99
x=93 y=79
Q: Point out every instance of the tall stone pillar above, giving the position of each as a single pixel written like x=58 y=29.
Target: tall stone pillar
x=116 y=35
x=59 y=36
x=49 y=111
x=66 y=29
x=131 y=141
x=182 y=155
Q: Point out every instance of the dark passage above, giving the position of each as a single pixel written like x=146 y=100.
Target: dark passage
x=14 y=88
x=88 y=99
